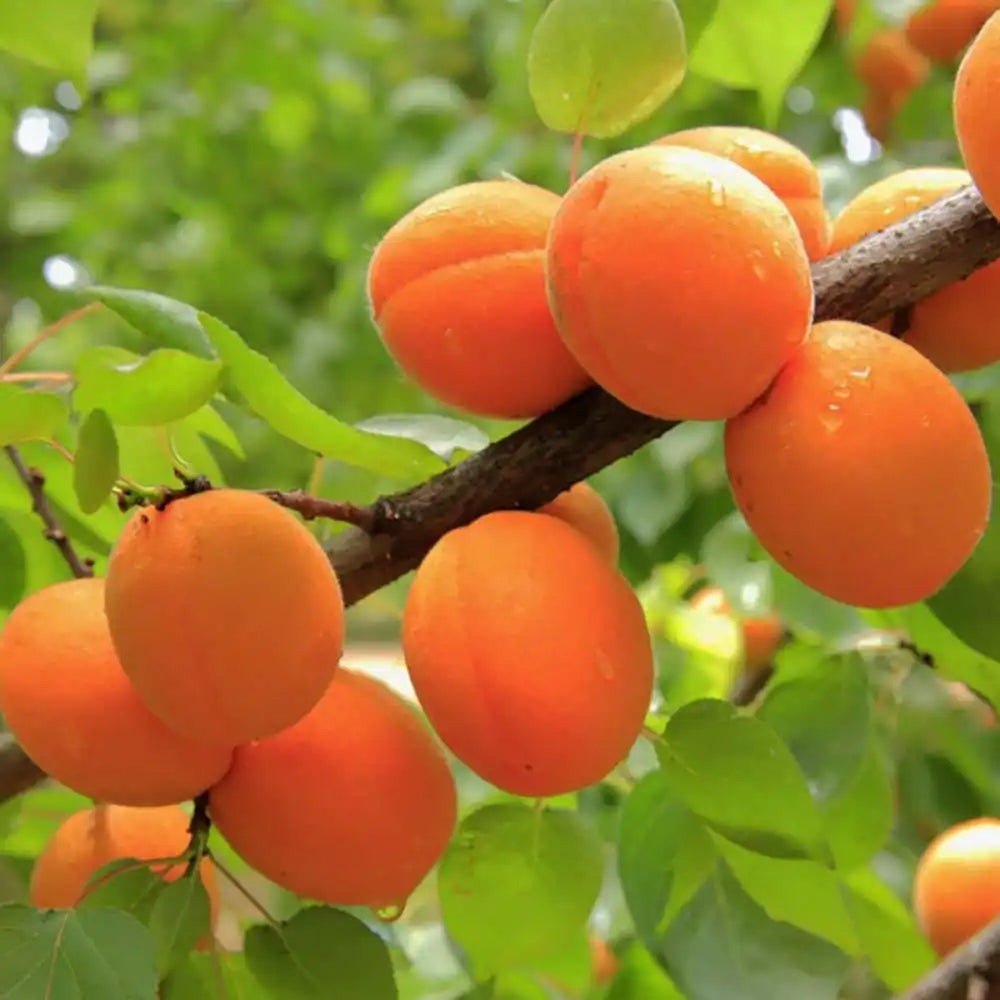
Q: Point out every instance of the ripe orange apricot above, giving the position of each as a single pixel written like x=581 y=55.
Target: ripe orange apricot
x=637 y=302
x=940 y=29
x=457 y=290
x=604 y=962
x=91 y=838
x=956 y=888
x=889 y=65
x=528 y=653
x=843 y=12
x=226 y=615
x=784 y=168
x=761 y=636
x=956 y=327
x=358 y=797
x=862 y=471
x=977 y=116
x=584 y=508
x=67 y=701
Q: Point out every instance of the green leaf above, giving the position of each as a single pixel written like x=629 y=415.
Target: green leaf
x=95 y=467
x=798 y=892
x=761 y=45
x=164 y=386
x=74 y=955
x=181 y=917
x=898 y=952
x=723 y=944
x=824 y=719
x=516 y=883
x=734 y=772
x=136 y=891
x=726 y=555
x=204 y=977
x=55 y=34
x=641 y=977
x=323 y=953
x=14 y=563
x=806 y=610
x=274 y=399
x=599 y=68
x=26 y=414
x=445 y=436
x=664 y=854
x=164 y=321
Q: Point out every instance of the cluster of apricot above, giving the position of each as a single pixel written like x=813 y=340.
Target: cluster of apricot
x=676 y=276
x=207 y=661
x=893 y=61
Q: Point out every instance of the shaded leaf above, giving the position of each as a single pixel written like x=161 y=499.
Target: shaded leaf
x=95 y=466
x=27 y=414
x=599 y=68
x=515 y=884
x=445 y=436
x=159 y=388
x=15 y=568
x=56 y=34
x=180 y=918
x=74 y=955
x=204 y=977
x=323 y=953
x=134 y=890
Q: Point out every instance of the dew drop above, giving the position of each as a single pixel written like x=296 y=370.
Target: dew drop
x=716 y=192
x=605 y=667
x=861 y=374
x=390 y=914
x=841 y=391
x=833 y=418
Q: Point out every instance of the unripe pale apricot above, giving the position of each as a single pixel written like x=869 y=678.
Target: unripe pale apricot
x=687 y=308
x=956 y=327
x=92 y=838
x=67 y=701
x=351 y=806
x=942 y=28
x=956 y=888
x=784 y=168
x=226 y=615
x=761 y=636
x=457 y=290
x=977 y=115
x=862 y=470
x=528 y=652
x=584 y=508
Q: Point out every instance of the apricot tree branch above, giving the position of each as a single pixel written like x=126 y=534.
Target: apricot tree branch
x=310 y=507
x=978 y=957
x=34 y=481
x=883 y=273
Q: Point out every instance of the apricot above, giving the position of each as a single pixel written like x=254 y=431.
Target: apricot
x=862 y=470
x=956 y=888
x=604 y=962
x=687 y=308
x=351 y=806
x=890 y=66
x=942 y=28
x=843 y=13
x=956 y=327
x=528 y=652
x=225 y=613
x=977 y=116
x=457 y=290
x=67 y=701
x=90 y=839
x=582 y=507
x=761 y=636
x=784 y=168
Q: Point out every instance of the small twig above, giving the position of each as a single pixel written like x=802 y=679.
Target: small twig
x=50 y=331
x=36 y=377
x=977 y=959
x=35 y=482
x=199 y=829
x=749 y=684
x=310 y=507
x=245 y=892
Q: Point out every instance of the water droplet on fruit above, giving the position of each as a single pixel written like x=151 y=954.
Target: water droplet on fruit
x=390 y=914
x=841 y=391
x=759 y=270
x=716 y=192
x=605 y=667
x=833 y=418
x=861 y=374
x=776 y=246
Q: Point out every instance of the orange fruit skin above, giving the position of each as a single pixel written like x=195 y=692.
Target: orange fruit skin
x=528 y=652
x=604 y=962
x=942 y=28
x=843 y=12
x=87 y=840
x=977 y=117
x=226 y=615
x=358 y=797
x=889 y=65
x=636 y=303
x=956 y=888
x=783 y=167
x=761 y=636
x=862 y=471
x=956 y=327
x=457 y=290
x=67 y=701
x=582 y=507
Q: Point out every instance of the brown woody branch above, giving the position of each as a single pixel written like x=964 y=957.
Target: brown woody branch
x=978 y=959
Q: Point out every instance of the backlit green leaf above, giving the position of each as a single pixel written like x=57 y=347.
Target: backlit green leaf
x=56 y=34
x=95 y=469
x=26 y=414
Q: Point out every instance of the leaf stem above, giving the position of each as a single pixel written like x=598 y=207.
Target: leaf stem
x=50 y=331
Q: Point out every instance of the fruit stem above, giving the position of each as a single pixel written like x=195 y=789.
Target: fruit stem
x=246 y=893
